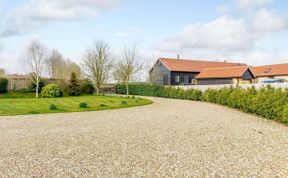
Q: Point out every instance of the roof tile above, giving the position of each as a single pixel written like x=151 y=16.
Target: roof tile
x=226 y=72
x=270 y=70
x=185 y=65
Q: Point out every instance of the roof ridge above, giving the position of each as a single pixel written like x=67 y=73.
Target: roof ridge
x=271 y=65
x=225 y=67
x=199 y=60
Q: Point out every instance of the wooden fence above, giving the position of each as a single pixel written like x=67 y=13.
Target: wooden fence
x=15 y=84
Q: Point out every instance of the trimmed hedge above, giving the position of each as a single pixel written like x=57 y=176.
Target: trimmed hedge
x=268 y=102
x=160 y=91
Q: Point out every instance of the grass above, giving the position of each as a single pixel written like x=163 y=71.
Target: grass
x=17 y=95
x=24 y=106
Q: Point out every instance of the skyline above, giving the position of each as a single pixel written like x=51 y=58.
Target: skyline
x=220 y=30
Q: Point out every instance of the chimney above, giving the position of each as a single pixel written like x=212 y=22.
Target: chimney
x=178 y=56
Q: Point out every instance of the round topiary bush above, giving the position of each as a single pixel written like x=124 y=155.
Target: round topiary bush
x=51 y=91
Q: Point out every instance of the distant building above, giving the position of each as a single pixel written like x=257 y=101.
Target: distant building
x=227 y=75
x=270 y=72
x=168 y=71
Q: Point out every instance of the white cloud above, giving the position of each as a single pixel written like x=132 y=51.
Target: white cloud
x=248 y=4
x=268 y=21
x=253 y=37
x=64 y=9
x=223 y=33
x=36 y=12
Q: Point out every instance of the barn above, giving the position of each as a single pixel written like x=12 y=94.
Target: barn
x=170 y=71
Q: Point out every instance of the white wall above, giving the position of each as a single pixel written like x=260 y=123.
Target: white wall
x=256 y=85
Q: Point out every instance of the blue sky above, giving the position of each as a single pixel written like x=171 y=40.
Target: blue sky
x=250 y=31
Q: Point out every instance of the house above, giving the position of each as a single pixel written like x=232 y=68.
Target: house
x=169 y=71
x=226 y=75
x=270 y=71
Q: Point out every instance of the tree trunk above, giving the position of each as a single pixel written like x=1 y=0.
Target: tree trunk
x=127 y=88
x=97 y=90
x=37 y=87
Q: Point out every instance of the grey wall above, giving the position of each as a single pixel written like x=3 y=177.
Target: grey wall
x=214 y=81
x=185 y=77
x=157 y=74
x=248 y=75
x=256 y=85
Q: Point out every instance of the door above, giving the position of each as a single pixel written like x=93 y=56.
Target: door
x=165 y=80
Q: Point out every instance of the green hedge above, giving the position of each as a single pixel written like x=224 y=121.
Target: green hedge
x=3 y=85
x=268 y=102
x=160 y=91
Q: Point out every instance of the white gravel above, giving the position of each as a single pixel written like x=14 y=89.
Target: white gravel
x=170 y=138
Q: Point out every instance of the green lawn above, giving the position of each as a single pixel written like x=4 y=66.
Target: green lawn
x=17 y=95
x=23 y=106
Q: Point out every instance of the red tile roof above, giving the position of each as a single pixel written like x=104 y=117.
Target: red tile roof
x=270 y=70
x=185 y=65
x=226 y=72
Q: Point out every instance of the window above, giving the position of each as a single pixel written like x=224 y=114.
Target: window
x=177 y=78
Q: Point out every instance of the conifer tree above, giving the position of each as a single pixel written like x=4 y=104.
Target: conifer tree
x=74 y=85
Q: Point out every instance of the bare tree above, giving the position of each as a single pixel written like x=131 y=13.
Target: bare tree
x=97 y=63
x=126 y=69
x=36 y=57
x=71 y=67
x=2 y=72
x=60 y=68
x=55 y=64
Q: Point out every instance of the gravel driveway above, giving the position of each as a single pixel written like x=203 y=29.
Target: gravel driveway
x=170 y=138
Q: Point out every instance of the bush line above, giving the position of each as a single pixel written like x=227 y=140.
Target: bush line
x=268 y=102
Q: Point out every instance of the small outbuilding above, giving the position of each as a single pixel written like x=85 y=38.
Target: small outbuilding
x=270 y=72
x=226 y=75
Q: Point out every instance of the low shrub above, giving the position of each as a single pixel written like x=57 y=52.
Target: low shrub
x=32 y=86
x=52 y=107
x=3 y=85
x=284 y=118
x=83 y=105
x=86 y=87
x=123 y=102
x=51 y=91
